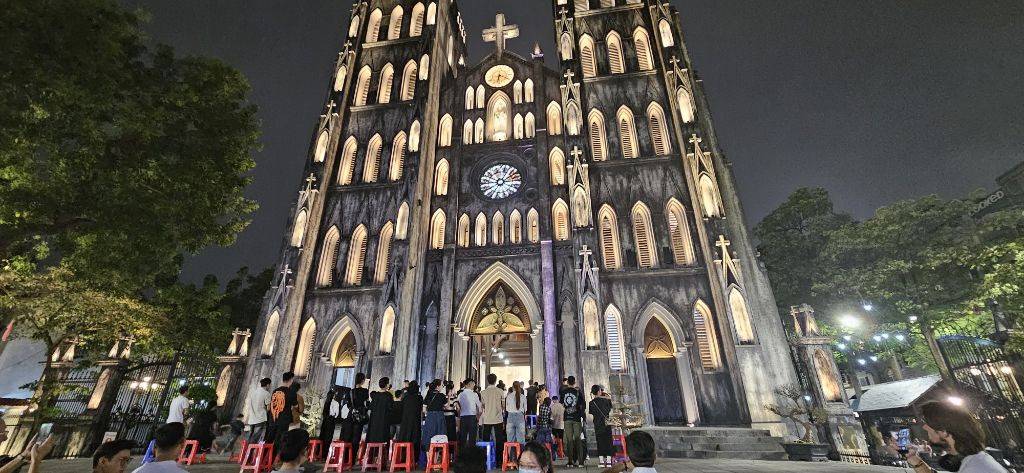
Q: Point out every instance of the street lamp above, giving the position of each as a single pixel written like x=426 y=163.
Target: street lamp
x=849 y=321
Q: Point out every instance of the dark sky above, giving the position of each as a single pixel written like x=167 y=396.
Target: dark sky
x=874 y=100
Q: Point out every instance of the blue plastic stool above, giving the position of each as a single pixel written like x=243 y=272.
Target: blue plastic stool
x=149 y=456
x=489 y=448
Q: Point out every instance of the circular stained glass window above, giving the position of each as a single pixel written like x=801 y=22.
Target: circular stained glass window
x=500 y=181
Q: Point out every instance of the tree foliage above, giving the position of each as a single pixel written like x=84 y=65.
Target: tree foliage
x=243 y=296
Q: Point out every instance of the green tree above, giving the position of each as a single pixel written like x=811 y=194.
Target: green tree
x=115 y=158
x=243 y=296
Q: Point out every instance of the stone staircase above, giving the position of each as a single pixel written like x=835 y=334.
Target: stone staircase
x=716 y=442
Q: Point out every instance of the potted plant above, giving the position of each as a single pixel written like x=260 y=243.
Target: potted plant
x=794 y=406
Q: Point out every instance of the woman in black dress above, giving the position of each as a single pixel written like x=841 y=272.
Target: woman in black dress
x=379 y=429
x=344 y=398
x=360 y=405
x=327 y=417
x=600 y=407
x=412 y=414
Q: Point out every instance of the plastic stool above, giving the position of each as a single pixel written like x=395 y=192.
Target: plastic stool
x=237 y=457
x=407 y=461
x=489 y=448
x=339 y=456
x=441 y=464
x=316 y=450
x=531 y=421
x=620 y=453
x=192 y=454
x=510 y=463
x=380 y=449
x=149 y=456
x=561 y=447
x=258 y=457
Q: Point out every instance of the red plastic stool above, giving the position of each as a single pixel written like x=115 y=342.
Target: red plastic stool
x=408 y=460
x=380 y=449
x=561 y=447
x=237 y=457
x=339 y=456
x=316 y=450
x=193 y=454
x=258 y=457
x=512 y=463
x=620 y=454
x=439 y=464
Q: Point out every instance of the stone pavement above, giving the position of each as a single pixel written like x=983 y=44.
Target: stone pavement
x=218 y=464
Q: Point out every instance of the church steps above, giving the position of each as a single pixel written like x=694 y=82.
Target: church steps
x=734 y=443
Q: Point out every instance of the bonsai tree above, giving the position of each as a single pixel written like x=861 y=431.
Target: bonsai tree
x=794 y=406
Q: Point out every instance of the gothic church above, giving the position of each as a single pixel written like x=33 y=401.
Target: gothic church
x=459 y=219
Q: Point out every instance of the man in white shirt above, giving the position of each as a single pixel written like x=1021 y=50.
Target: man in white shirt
x=256 y=405
x=959 y=433
x=169 y=439
x=492 y=416
x=469 y=413
x=179 y=406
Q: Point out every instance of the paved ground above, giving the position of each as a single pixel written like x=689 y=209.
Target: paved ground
x=220 y=465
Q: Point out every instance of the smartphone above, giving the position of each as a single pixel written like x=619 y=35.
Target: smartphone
x=44 y=431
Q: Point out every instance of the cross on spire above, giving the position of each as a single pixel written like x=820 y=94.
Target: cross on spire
x=500 y=32
x=585 y=251
x=724 y=245
x=568 y=75
x=576 y=152
x=674 y=61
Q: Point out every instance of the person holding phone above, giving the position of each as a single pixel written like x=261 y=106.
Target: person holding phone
x=959 y=434
x=35 y=452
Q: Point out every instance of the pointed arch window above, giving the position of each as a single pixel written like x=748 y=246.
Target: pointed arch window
x=353 y=27
x=613 y=332
x=530 y=125
x=685 y=103
x=591 y=324
x=706 y=337
x=498 y=228
x=416 y=23
x=363 y=86
x=597 y=136
x=387 y=332
x=356 y=257
x=532 y=226
x=679 y=233
x=467 y=132
x=665 y=29
x=371 y=168
x=517 y=91
x=580 y=207
x=441 y=178
x=380 y=271
x=387 y=81
x=608 y=230
x=740 y=316
x=709 y=202
x=348 y=161
x=616 y=65
x=481 y=100
x=478 y=131
x=515 y=227
x=587 y=60
x=560 y=220
x=424 y=66
x=444 y=131
x=373 y=27
x=304 y=352
x=565 y=47
x=408 y=91
x=414 y=136
x=517 y=127
x=573 y=118
x=395 y=25
x=328 y=258
x=557 y=164
x=658 y=127
x=397 y=164
x=499 y=117
x=646 y=254
x=480 y=230
x=339 y=78
x=299 y=228
x=642 y=42
x=627 y=132
x=469 y=98
x=437 y=223
x=270 y=335
x=528 y=91
x=402 y=221
x=463 y=237
x=554 y=116
x=432 y=13
x=320 y=150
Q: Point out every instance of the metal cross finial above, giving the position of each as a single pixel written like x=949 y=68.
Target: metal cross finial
x=694 y=139
x=500 y=32
x=674 y=61
x=724 y=245
x=330 y=105
x=576 y=152
x=585 y=251
x=355 y=8
x=568 y=74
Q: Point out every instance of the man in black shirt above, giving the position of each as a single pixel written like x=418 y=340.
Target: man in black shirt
x=531 y=398
x=282 y=405
x=572 y=399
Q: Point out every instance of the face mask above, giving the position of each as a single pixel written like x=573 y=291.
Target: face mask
x=950 y=462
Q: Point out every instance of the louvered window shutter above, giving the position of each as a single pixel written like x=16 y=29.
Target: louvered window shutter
x=596 y=141
x=626 y=134
x=587 y=61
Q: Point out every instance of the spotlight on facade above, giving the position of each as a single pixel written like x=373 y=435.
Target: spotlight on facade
x=955 y=400
x=501 y=356
x=1005 y=370
x=975 y=371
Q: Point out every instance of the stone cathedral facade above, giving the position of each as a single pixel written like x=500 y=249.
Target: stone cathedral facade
x=457 y=219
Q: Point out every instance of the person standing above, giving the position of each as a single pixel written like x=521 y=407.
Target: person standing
x=600 y=408
x=412 y=417
x=256 y=404
x=180 y=406
x=434 y=423
x=469 y=413
x=575 y=448
x=543 y=434
x=492 y=417
x=330 y=416
x=531 y=397
x=557 y=418
x=359 y=415
x=451 y=411
x=282 y=408
x=379 y=428
x=959 y=433
x=515 y=405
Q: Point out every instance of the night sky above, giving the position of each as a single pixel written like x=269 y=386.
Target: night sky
x=874 y=100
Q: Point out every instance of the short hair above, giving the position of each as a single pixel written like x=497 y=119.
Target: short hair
x=111 y=448
x=595 y=389
x=471 y=459
x=571 y=380
x=287 y=376
x=360 y=378
x=640 y=446
x=468 y=380
x=295 y=443
x=169 y=435
x=265 y=382
x=182 y=390
x=384 y=382
x=491 y=378
x=554 y=398
x=967 y=433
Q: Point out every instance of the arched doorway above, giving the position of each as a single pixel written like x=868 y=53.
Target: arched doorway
x=343 y=349
x=343 y=360
x=662 y=374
